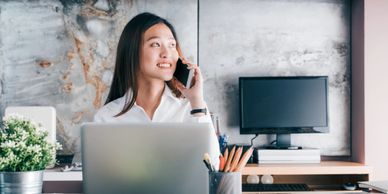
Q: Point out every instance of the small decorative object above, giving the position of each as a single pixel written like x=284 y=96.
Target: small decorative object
x=267 y=179
x=24 y=153
x=253 y=179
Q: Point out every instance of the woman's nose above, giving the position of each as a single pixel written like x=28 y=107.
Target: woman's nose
x=165 y=52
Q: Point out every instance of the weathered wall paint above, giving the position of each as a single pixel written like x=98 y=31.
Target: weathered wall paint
x=277 y=38
x=61 y=53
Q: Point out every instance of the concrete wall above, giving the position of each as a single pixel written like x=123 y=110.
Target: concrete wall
x=61 y=53
x=376 y=87
x=271 y=38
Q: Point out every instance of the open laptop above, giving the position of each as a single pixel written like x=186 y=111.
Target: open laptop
x=145 y=158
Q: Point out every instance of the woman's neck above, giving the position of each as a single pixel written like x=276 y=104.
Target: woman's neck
x=149 y=95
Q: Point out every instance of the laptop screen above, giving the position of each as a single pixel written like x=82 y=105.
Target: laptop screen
x=145 y=158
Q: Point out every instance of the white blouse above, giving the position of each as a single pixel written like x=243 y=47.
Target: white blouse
x=170 y=109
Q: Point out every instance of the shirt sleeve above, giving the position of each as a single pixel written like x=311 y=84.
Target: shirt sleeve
x=215 y=149
x=97 y=118
x=101 y=116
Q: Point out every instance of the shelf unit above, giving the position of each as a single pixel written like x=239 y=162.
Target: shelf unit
x=323 y=168
x=327 y=175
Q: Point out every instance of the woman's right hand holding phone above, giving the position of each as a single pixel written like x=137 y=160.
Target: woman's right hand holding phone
x=195 y=93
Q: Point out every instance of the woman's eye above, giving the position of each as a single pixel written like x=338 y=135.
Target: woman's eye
x=173 y=45
x=155 y=44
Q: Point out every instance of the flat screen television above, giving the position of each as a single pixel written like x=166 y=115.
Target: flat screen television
x=283 y=105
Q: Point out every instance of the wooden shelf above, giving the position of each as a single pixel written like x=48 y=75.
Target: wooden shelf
x=305 y=192
x=323 y=168
x=325 y=177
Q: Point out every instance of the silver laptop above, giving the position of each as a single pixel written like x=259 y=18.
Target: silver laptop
x=145 y=158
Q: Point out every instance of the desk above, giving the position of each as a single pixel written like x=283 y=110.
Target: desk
x=56 y=174
x=55 y=181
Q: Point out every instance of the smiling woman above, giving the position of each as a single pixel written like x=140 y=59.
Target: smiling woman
x=147 y=54
x=158 y=54
x=143 y=87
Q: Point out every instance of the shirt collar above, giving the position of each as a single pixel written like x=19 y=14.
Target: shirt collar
x=167 y=92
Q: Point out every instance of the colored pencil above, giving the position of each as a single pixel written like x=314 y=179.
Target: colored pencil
x=244 y=159
x=236 y=159
x=222 y=163
x=229 y=161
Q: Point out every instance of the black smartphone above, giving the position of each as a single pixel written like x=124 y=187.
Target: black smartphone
x=183 y=74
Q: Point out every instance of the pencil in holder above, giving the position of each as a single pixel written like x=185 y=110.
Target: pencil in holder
x=225 y=183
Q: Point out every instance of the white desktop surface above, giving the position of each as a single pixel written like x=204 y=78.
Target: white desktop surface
x=55 y=174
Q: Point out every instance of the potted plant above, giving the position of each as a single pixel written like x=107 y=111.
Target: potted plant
x=24 y=153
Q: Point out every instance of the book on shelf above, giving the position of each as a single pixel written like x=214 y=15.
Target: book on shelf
x=381 y=186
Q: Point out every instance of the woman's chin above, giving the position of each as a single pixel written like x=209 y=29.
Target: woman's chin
x=167 y=78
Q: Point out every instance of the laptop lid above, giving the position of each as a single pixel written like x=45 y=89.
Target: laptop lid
x=145 y=158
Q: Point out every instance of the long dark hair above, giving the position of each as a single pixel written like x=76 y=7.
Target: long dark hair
x=127 y=59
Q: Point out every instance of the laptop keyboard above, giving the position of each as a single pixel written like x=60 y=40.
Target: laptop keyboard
x=275 y=187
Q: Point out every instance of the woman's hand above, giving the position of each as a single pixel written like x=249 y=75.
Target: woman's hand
x=195 y=93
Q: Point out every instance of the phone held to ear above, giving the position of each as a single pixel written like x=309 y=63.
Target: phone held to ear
x=183 y=74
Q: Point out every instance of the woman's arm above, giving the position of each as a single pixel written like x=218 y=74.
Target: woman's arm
x=197 y=102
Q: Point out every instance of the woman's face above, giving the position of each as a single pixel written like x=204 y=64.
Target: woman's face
x=158 y=53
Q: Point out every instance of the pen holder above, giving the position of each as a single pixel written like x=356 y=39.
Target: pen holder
x=225 y=183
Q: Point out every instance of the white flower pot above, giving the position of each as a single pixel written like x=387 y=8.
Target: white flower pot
x=29 y=182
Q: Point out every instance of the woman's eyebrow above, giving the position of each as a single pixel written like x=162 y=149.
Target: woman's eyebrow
x=152 y=37
x=157 y=37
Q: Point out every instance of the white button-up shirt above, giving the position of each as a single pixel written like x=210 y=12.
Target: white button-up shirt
x=171 y=109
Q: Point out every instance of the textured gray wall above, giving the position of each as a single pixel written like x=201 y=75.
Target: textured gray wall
x=61 y=53
x=271 y=38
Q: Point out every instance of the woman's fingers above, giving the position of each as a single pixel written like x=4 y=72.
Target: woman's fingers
x=191 y=66
x=197 y=74
x=197 y=78
x=185 y=61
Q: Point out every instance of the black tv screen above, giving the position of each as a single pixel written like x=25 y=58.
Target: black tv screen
x=273 y=105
